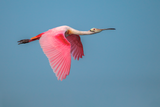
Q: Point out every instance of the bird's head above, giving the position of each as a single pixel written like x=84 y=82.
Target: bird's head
x=96 y=30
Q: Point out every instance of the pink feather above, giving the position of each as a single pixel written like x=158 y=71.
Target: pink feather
x=76 y=46
x=58 y=49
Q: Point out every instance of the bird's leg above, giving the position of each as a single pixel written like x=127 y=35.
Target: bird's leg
x=23 y=41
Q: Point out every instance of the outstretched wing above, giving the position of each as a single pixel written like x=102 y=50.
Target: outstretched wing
x=57 y=49
x=76 y=46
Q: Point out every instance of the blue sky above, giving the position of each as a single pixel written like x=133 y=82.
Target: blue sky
x=120 y=68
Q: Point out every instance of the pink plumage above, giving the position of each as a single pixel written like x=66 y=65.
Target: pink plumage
x=59 y=43
x=76 y=46
x=58 y=49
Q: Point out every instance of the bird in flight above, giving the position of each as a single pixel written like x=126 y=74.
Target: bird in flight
x=59 y=44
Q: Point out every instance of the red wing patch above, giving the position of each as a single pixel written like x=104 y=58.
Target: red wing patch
x=63 y=40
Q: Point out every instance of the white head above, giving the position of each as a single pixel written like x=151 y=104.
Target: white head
x=95 y=30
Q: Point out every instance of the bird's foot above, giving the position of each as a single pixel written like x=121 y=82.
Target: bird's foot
x=23 y=41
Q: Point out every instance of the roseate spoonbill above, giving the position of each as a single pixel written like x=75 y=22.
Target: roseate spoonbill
x=59 y=43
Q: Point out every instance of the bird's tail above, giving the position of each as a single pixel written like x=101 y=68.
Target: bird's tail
x=23 y=41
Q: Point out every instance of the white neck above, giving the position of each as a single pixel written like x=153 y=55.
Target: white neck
x=77 y=32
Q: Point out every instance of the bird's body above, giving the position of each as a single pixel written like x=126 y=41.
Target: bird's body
x=59 y=43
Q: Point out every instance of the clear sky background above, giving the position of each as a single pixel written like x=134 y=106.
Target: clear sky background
x=120 y=68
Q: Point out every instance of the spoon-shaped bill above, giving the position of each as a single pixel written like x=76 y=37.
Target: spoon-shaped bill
x=109 y=29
